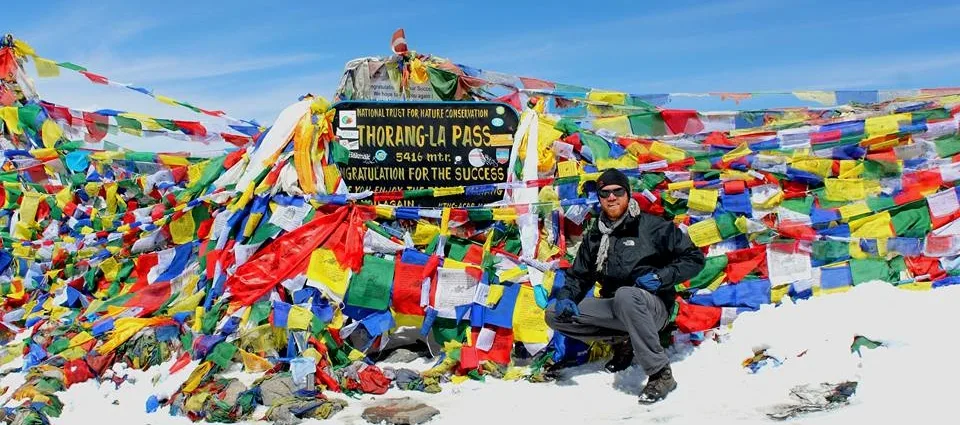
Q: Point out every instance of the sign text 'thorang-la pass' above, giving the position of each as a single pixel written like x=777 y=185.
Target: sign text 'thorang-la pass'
x=405 y=146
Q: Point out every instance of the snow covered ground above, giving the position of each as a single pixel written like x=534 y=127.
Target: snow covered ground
x=912 y=377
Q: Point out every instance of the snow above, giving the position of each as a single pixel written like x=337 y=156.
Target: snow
x=911 y=377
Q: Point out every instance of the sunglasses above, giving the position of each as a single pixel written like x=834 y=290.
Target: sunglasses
x=618 y=192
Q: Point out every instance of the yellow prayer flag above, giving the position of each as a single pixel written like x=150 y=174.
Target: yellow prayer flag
x=546 y=135
x=166 y=100
x=567 y=169
x=173 y=160
x=855 y=209
x=187 y=304
x=619 y=124
x=193 y=381
x=253 y=363
x=445 y=222
x=51 y=133
x=11 y=118
x=704 y=233
x=703 y=199
x=820 y=167
x=528 y=319
x=667 y=152
x=740 y=152
x=424 y=233
x=183 y=229
x=850 y=169
x=512 y=275
x=611 y=97
x=325 y=269
x=886 y=124
x=686 y=184
x=494 y=294
x=331 y=177
x=845 y=190
x=299 y=318
x=385 y=212
x=29 y=206
x=505 y=214
x=110 y=196
x=777 y=293
x=872 y=226
x=448 y=191
x=194 y=172
x=110 y=268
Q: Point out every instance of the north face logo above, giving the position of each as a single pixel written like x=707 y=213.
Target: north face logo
x=628 y=243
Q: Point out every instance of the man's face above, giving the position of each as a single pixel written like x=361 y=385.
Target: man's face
x=613 y=200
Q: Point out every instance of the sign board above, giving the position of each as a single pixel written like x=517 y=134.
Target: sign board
x=412 y=145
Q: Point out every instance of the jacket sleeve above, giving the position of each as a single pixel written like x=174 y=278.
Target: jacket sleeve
x=580 y=277
x=686 y=260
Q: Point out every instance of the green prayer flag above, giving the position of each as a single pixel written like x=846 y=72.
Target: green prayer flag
x=444 y=83
x=726 y=223
x=167 y=124
x=828 y=251
x=448 y=330
x=417 y=193
x=647 y=124
x=877 y=169
x=480 y=214
x=457 y=248
x=129 y=125
x=71 y=66
x=869 y=269
x=339 y=153
x=566 y=126
x=948 y=145
x=880 y=203
x=29 y=116
x=222 y=354
x=259 y=312
x=713 y=267
x=800 y=205
x=187 y=105
x=599 y=147
x=371 y=287
x=912 y=221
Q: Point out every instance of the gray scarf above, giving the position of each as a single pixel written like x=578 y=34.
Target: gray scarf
x=633 y=210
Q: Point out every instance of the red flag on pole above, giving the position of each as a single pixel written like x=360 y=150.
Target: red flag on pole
x=399 y=42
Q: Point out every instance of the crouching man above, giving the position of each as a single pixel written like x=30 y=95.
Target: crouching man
x=637 y=258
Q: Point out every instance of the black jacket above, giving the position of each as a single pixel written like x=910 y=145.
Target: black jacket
x=640 y=245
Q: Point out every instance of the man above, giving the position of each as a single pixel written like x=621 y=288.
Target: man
x=637 y=258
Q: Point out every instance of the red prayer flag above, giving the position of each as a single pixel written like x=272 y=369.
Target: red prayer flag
x=96 y=125
x=8 y=63
x=236 y=140
x=407 y=282
x=535 y=84
x=682 y=121
x=192 y=128
x=696 y=318
x=97 y=79
x=150 y=299
x=287 y=256
x=398 y=43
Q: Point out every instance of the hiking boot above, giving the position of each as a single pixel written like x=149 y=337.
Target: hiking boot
x=658 y=386
x=622 y=356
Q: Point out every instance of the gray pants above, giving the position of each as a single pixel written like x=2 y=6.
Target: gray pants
x=632 y=312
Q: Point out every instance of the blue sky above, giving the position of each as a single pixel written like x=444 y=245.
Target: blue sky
x=251 y=60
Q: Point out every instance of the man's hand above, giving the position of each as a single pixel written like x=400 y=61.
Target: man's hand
x=565 y=310
x=650 y=282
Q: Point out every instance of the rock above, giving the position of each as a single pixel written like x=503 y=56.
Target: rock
x=401 y=355
x=399 y=411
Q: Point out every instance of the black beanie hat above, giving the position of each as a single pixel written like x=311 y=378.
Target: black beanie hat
x=613 y=176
